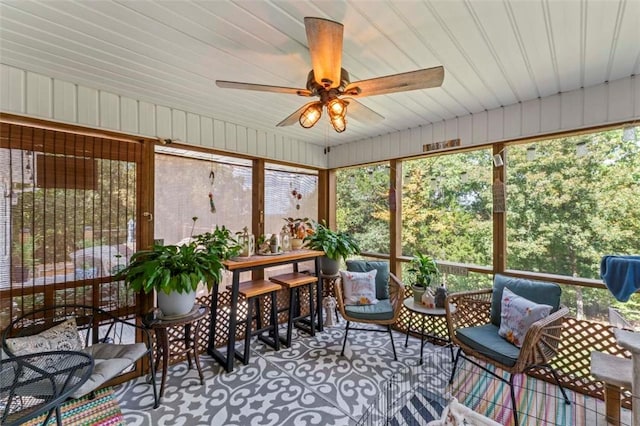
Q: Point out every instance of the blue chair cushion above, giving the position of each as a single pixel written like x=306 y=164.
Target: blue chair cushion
x=383 y=310
x=486 y=340
x=540 y=292
x=382 y=276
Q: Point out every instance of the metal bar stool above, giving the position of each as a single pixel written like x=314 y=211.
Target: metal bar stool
x=252 y=291
x=294 y=281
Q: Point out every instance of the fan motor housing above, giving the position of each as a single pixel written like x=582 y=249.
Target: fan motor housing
x=316 y=88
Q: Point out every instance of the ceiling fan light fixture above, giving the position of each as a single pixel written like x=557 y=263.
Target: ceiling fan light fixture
x=339 y=123
x=336 y=107
x=310 y=116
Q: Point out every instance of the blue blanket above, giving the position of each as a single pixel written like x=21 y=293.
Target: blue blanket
x=621 y=274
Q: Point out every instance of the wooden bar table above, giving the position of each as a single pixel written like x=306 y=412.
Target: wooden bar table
x=254 y=263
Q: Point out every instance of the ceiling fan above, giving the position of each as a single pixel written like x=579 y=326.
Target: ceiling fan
x=330 y=82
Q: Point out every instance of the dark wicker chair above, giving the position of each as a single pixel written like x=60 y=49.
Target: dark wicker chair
x=31 y=385
x=109 y=341
x=474 y=323
x=389 y=292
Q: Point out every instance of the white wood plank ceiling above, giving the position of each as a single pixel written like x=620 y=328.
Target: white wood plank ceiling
x=170 y=53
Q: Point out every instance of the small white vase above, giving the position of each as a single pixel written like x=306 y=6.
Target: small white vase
x=176 y=304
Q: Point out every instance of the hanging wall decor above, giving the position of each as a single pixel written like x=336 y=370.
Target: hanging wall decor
x=212 y=177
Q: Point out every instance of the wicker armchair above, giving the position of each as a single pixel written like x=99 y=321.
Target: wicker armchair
x=473 y=327
x=389 y=292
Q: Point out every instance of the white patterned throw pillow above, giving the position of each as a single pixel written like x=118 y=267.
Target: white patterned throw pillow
x=62 y=337
x=359 y=287
x=518 y=314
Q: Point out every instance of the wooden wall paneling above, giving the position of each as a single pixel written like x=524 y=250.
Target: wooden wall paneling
x=193 y=129
x=109 y=111
x=480 y=127
x=531 y=117
x=39 y=97
x=219 y=134
x=293 y=146
x=65 y=101
x=390 y=149
x=129 y=115
x=636 y=96
x=571 y=113
x=465 y=129
x=438 y=131
x=241 y=139
x=381 y=149
x=261 y=142
x=230 y=142
x=595 y=104
x=270 y=145
x=12 y=88
x=279 y=147
x=206 y=132
x=163 y=122
x=550 y=113
x=495 y=122
x=513 y=121
x=178 y=125
x=252 y=142
x=620 y=100
x=88 y=106
x=451 y=129
x=147 y=119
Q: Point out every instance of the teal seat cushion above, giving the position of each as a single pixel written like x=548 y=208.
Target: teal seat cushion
x=383 y=310
x=382 y=276
x=540 y=292
x=486 y=340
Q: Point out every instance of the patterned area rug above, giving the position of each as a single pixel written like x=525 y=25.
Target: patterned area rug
x=307 y=384
x=537 y=402
x=103 y=410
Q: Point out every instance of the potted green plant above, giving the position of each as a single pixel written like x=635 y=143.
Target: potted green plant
x=175 y=272
x=426 y=270
x=336 y=246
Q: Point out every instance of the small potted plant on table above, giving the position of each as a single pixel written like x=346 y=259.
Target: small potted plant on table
x=298 y=230
x=425 y=269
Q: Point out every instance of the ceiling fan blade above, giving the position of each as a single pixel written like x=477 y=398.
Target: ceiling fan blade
x=413 y=80
x=262 y=88
x=293 y=118
x=325 y=45
x=362 y=113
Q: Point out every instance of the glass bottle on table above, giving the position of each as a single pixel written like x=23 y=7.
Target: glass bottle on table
x=285 y=239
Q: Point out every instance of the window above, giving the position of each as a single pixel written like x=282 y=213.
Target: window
x=572 y=200
x=214 y=189
x=447 y=207
x=362 y=206
x=289 y=192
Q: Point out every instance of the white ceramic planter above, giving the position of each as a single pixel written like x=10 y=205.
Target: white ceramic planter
x=176 y=304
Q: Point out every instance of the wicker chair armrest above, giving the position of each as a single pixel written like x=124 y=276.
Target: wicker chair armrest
x=542 y=340
x=396 y=295
x=468 y=309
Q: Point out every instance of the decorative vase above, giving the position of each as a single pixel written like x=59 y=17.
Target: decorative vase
x=329 y=266
x=418 y=291
x=296 y=243
x=174 y=304
x=440 y=297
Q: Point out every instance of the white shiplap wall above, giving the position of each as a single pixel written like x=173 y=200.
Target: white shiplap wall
x=35 y=95
x=31 y=94
x=614 y=102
